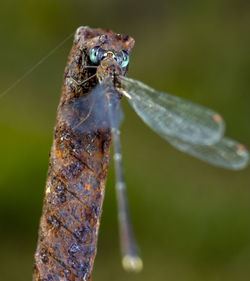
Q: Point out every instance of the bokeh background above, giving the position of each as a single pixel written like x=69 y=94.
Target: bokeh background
x=192 y=220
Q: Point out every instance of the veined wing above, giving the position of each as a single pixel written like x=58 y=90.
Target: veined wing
x=226 y=153
x=90 y=112
x=172 y=116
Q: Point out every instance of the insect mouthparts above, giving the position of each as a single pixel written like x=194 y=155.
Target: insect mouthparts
x=109 y=54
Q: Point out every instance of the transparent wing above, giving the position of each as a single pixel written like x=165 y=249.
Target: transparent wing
x=90 y=113
x=226 y=153
x=86 y=113
x=172 y=116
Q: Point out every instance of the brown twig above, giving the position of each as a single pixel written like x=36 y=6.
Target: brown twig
x=75 y=185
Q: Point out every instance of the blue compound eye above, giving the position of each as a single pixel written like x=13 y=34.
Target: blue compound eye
x=94 y=54
x=125 y=59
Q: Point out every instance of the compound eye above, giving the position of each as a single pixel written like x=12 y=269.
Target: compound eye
x=94 y=54
x=125 y=59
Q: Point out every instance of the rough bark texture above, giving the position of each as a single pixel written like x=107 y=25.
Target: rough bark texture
x=78 y=168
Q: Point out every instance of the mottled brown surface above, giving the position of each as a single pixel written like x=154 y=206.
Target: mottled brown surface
x=78 y=168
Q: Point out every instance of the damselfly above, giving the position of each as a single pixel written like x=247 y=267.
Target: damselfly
x=89 y=115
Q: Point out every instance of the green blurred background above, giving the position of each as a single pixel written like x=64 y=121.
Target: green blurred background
x=192 y=220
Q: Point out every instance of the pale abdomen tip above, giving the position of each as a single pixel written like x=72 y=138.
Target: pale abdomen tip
x=132 y=263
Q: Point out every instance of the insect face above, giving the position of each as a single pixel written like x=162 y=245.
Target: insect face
x=97 y=53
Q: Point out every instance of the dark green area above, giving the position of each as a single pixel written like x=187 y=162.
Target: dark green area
x=192 y=220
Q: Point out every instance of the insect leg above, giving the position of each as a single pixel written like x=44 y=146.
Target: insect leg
x=82 y=82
